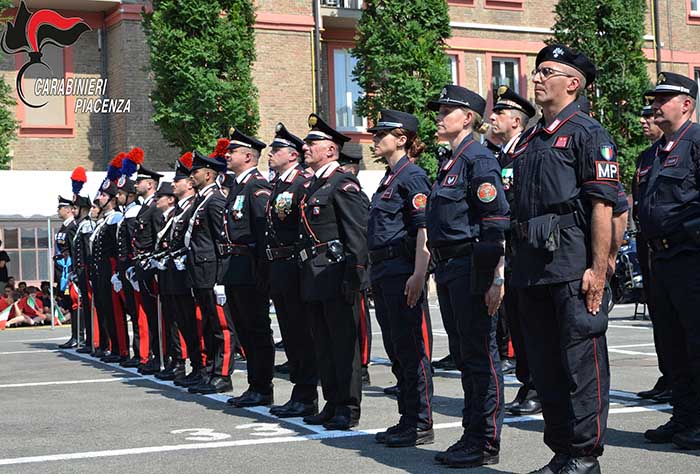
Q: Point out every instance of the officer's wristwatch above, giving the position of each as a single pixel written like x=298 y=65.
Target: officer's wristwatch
x=499 y=281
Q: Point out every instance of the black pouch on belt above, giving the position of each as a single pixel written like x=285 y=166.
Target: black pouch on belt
x=485 y=257
x=543 y=232
x=692 y=228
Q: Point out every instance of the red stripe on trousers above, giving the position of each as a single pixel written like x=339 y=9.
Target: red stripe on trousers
x=498 y=389
x=143 y=327
x=183 y=345
x=93 y=315
x=200 y=335
x=597 y=377
x=364 y=347
x=426 y=336
x=118 y=310
x=227 y=340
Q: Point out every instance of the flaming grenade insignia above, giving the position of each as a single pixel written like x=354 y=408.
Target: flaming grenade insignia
x=32 y=31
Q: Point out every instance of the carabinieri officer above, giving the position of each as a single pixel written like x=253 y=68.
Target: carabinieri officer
x=467 y=217
x=396 y=239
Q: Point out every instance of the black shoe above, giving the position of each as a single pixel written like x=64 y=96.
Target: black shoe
x=98 y=354
x=520 y=397
x=366 y=381
x=326 y=414
x=70 y=344
x=392 y=391
x=584 y=465
x=150 y=367
x=409 y=436
x=664 y=397
x=196 y=377
x=441 y=456
x=131 y=363
x=381 y=436
x=171 y=372
x=279 y=344
x=470 y=456
x=250 y=398
x=341 y=422
x=507 y=366
x=112 y=358
x=282 y=368
x=527 y=407
x=236 y=356
x=84 y=350
x=665 y=432
x=555 y=464
x=215 y=384
x=659 y=386
x=293 y=409
x=688 y=439
x=446 y=363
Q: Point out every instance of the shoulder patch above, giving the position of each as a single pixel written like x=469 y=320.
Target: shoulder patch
x=450 y=180
x=351 y=187
x=562 y=141
x=261 y=192
x=419 y=201
x=486 y=192
x=607 y=171
x=607 y=152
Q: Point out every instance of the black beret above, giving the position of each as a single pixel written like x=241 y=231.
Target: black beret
x=346 y=159
x=458 y=96
x=239 y=139
x=672 y=83
x=560 y=53
x=320 y=130
x=391 y=119
x=506 y=98
x=283 y=138
x=165 y=189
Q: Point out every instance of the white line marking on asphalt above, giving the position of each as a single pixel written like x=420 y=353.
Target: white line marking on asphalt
x=621 y=351
x=631 y=345
x=28 y=352
x=62 y=338
x=620 y=326
x=63 y=382
x=278 y=440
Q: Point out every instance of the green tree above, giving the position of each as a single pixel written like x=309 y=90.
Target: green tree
x=8 y=124
x=401 y=62
x=610 y=33
x=201 y=56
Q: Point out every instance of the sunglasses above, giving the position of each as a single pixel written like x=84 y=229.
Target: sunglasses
x=548 y=72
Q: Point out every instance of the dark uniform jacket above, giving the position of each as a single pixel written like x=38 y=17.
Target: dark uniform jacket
x=283 y=228
x=64 y=239
x=104 y=244
x=396 y=213
x=148 y=222
x=244 y=229
x=178 y=280
x=166 y=278
x=558 y=170
x=205 y=263
x=80 y=250
x=333 y=210
x=668 y=181
x=126 y=230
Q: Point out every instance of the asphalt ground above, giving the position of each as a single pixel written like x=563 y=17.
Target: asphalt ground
x=63 y=412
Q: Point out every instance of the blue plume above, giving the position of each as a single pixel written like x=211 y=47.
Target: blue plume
x=77 y=186
x=113 y=173
x=128 y=167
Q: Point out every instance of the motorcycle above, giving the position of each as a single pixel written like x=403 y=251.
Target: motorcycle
x=626 y=284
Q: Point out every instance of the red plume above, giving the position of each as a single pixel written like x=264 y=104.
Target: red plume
x=186 y=160
x=117 y=160
x=136 y=155
x=79 y=175
x=221 y=146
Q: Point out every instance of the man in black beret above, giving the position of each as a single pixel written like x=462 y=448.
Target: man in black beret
x=565 y=185
x=669 y=217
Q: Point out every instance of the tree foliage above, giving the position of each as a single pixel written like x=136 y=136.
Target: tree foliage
x=8 y=124
x=610 y=33
x=201 y=56
x=401 y=62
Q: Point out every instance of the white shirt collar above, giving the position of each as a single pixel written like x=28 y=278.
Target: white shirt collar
x=147 y=200
x=205 y=188
x=286 y=174
x=167 y=212
x=182 y=201
x=241 y=177
x=511 y=143
x=328 y=167
x=69 y=220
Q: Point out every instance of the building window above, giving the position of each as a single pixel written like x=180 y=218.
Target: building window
x=695 y=7
x=452 y=64
x=347 y=91
x=505 y=72
x=504 y=4
x=54 y=112
x=354 y=4
x=27 y=245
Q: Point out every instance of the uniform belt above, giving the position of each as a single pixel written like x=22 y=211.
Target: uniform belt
x=310 y=252
x=520 y=229
x=279 y=253
x=387 y=253
x=446 y=252
x=234 y=249
x=665 y=243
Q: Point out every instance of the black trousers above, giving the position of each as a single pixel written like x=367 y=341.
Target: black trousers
x=171 y=330
x=568 y=356
x=216 y=326
x=295 y=325
x=83 y=311
x=250 y=311
x=410 y=363
x=149 y=303
x=111 y=317
x=475 y=352
x=511 y=311
x=503 y=336
x=676 y=295
x=647 y=278
x=184 y=311
x=334 y=326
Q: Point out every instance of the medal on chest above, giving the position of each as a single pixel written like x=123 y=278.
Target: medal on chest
x=237 y=209
x=507 y=178
x=283 y=205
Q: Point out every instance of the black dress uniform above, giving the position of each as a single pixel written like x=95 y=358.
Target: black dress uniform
x=467 y=204
x=148 y=223
x=126 y=230
x=559 y=168
x=281 y=236
x=669 y=214
x=246 y=278
x=205 y=267
x=80 y=253
x=63 y=267
x=526 y=401
x=397 y=213
x=334 y=257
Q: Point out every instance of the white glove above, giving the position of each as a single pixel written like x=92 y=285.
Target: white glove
x=180 y=262
x=157 y=264
x=116 y=283
x=131 y=275
x=220 y=293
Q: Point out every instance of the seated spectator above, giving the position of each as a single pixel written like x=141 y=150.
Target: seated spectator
x=11 y=282
x=28 y=309
x=22 y=286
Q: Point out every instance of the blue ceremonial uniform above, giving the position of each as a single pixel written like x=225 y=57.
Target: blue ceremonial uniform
x=669 y=215
x=559 y=169
x=467 y=202
x=396 y=214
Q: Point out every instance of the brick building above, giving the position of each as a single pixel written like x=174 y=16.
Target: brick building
x=493 y=42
